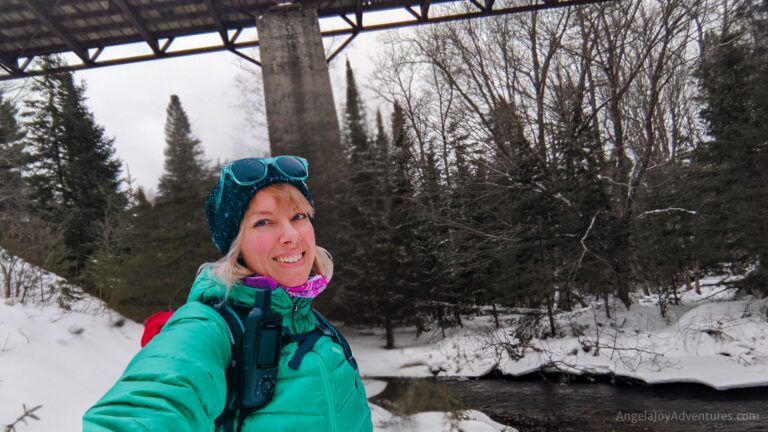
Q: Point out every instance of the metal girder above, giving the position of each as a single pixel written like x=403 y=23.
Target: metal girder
x=217 y=23
x=96 y=54
x=245 y=57
x=410 y=10
x=359 y=13
x=41 y=15
x=10 y=64
x=134 y=19
x=349 y=21
x=167 y=44
x=341 y=47
x=477 y=5
x=425 y=9
x=236 y=35
x=136 y=59
x=232 y=45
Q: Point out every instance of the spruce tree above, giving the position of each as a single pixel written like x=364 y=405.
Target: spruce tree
x=520 y=268
x=370 y=260
x=381 y=141
x=71 y=167
x=402 y=262
x=185 y=171
x=354 y=128
x=169 y=240
x=355 y=251
x=579 y=200
x=731 y=170
x=11 y=183
x=10 y=152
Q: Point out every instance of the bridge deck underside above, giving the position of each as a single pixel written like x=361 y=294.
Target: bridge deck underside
x=85 y=28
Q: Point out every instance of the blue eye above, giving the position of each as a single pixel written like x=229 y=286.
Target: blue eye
x=299 y=216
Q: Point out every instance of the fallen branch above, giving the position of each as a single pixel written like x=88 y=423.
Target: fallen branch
x=23 y=418
x=5 y=344
x=666 y=210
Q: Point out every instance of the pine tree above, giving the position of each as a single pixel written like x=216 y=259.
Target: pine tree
x=402 y=157
x=185 y=168
x=358 y=197
x=169 y=240
x=402 y=263
x=72 y=170
x=731 y=171
x=381 y=141
x=11 y=183
x=355 y=133
x=10 y=152
x=372 y=274
x=579 y=199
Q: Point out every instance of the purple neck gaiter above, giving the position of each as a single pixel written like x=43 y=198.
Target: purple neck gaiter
x=309 y=289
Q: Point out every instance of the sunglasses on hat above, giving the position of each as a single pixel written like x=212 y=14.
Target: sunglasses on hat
x=246 y=172
x=249 y=171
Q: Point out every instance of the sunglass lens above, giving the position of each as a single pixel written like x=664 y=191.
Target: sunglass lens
x=291 y=167
x=248 y=170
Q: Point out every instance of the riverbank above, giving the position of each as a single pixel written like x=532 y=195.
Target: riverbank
x=547 y=406
x=711 y=338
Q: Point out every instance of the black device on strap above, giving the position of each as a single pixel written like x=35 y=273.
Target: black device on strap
x=259 y=352
x=257 y=336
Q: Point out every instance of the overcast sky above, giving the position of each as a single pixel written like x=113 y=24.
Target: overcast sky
x=129 y=101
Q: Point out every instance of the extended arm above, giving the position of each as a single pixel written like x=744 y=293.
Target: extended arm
x=176 y=383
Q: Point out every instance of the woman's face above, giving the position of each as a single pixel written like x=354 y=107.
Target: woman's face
x=278 y=240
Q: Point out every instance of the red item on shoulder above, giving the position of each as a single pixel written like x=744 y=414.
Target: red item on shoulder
x=153 y=325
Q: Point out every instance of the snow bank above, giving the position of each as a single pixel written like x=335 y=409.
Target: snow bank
x=59 y=347
x=472 y=421
x=709 y=338
x=62 y=360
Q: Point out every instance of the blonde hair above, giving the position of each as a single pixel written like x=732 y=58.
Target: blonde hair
x=228 y=268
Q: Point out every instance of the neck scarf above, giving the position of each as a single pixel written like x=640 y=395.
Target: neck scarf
x=309 y=289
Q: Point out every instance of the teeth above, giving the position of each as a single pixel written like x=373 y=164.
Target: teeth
x=290 y=259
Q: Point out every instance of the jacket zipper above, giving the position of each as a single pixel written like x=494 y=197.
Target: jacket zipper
x=293 y=316
x=328 y=395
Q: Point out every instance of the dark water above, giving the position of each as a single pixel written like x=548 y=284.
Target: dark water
x=551 y=406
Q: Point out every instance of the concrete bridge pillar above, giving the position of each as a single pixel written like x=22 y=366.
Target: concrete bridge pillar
x=301 y=113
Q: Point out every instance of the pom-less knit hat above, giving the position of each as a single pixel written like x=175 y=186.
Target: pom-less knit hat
x=228 y=201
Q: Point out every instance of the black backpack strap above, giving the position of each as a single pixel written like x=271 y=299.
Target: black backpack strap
x=307 y=340
x=328 y=329
x=234 y=316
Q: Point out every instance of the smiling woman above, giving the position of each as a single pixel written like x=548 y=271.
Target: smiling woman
x=278 y=239
x=302 y=375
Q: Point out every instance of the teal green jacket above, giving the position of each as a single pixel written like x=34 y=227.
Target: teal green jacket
x=177 y=382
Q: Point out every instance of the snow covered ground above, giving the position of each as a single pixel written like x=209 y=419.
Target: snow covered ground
x=63 y=358
x=709 y=338
x=64 y=351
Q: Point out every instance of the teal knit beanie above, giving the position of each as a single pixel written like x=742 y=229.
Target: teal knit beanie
x=228 y=201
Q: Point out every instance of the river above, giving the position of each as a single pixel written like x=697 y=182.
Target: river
x=546 y=405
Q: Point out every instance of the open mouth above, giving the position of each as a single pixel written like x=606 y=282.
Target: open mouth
x=292 y=259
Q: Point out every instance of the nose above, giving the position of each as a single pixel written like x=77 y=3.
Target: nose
x=289 y=235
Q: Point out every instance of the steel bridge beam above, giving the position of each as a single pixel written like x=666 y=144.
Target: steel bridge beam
x=486 y=8
x=134 y=19
x=54 y=28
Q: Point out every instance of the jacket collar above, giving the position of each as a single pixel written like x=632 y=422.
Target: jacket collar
x=296 y=311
